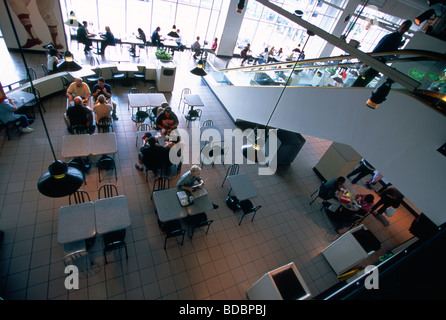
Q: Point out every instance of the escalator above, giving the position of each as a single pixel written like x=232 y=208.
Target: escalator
x=315 y=97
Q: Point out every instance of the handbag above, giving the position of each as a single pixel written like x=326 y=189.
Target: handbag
x=390 y=212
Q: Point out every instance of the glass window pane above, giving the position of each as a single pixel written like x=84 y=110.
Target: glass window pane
x=187 y=14
x=140 y=15
x=107 y=16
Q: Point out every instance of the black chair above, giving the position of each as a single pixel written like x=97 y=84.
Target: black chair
x=160 y=183
x=105 y=124
x=80 y=129
x=172 y=229
x=92 y=80
x=7 y=125
x=318 y=191
x=141 y=129
x=36 y=102
x=45 y=69
x=140 y=117
x=247 y=207
x=193 y=115
x=65 y=82
x=232 y=170
x=106 y=163
x=208 y=123
x=117 y=75
x=79 y=196
x=81 y=165
x=114 y=240
x=141 y=75
x=32 y=73
x=108 y=191
x=197 y=221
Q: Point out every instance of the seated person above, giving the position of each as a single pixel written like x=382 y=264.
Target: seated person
x=109 y=40
x=7 y=113
x=151 y=155
x=167 y=121
x=79 y=115
x=52 y=61
x=102 y=109
x=78 y=89
x=328 y=189
x=196 y=48
x=83 y=36
x=187 y=180
x=344 y=217
x=104 y=88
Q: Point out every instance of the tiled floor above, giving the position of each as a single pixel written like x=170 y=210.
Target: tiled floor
x=220 y=265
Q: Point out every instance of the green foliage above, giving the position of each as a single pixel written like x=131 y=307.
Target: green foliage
x=163 y=55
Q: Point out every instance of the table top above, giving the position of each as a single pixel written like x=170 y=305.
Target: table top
x=84 y=72
x=103 y=143
x=127 y=67
x=193 y=100
x=168 y=206
x=138 y=100
x=80 y=215
x=156 y=99
x=242 y=186
x=76 y=145
x=111 y=214
x=16 y=97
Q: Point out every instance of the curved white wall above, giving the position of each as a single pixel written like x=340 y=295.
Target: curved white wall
x=400 y=138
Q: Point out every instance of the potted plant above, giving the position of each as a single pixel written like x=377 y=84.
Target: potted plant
x=163 y=55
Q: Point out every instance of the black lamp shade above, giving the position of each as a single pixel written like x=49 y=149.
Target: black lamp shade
x=424 y=16
x=68 y=64
x=240 y=6
x=198 y=70
x=173 y=34
x=379 y=95
x=298 y=13
x=60 y=180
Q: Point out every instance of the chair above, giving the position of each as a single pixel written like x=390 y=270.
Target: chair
x=32 y=73
x=197 y=221
x=161 y=183
x=193 y=115
x=80 y=129
x=208 y=123
x=92 y=80
x=318 y=191
x=172 y=229
x=7 y=124
x=117 y=75
x=152 y=90
x=114 y=240
x=141 y=75
x=183 y=92
x=140 y=117
x=232 y=170
x=45 y=69
x=140 y=131
x=247 y=207
x=35 y=102
x=106 y=163
x=108 y=190
x=132 y=90
x=79 y=196
x=211 y=153
x=105 y=124
x=75 y=251
x=65 y=82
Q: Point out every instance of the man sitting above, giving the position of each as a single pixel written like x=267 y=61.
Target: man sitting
x=101 y=109
x=78 y=89
x=79 y=115
x=83 y=36
x=152 y=155
x=105 y=89
x=167 y=121
x=7 y=113
x=196 y=48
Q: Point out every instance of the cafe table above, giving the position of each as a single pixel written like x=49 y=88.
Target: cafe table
x=103 y=143
x=127 y=67
x=76 y=145
x=242 y=187
x=76 y=222
x=20 y=98
x=111 y=214
x=193 y=100
x=137 y=101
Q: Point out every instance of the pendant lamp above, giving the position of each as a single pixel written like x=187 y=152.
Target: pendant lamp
x=199 y=70
x=60 y=180
x=68 y=64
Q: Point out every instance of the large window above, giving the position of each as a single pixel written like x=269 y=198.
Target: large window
x=263 y=27
x=193 y=17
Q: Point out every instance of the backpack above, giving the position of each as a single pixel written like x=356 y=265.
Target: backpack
x=232 y=202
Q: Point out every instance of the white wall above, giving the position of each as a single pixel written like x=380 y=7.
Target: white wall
x=400 y=138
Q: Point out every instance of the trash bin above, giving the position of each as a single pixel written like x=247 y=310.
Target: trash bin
x=283 y=283
x=165 y=76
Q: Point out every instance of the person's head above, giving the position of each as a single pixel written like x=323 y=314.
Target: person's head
x=195 y=171
x=341 y=180
x=369 y=198
x=178 y=30
x=216 y=39
x=152 y=141
x=146 y=136
x=85 y=23
x=140 y=30
x=198 y=38
x=101 y=98
x=174 y=27
x=266 y=49
x=167 y=111
x=78 y=82
x=158 y=29
x=78 y=101
x=53 y=52
x=405 y=26
x=101 y=82
x=107 y=28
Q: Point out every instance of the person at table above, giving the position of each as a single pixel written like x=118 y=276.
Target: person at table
x=178 y=40
x=101 y=108
x=363 y=169
x=141 y=36
x=192 y=179
x=7 y=113
x=329 y=189
x=214 y=45
x=78 y=89
x=167 y=121
x=262 y=58
x=83 y=36
x=245 y=53
x=109 y=40
x=153 y=156
x=196 y=48
x=156 y=38
x=344 y=217
x=104 y=88
x=390 y=197
x=79 y=115
x=52 y=61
